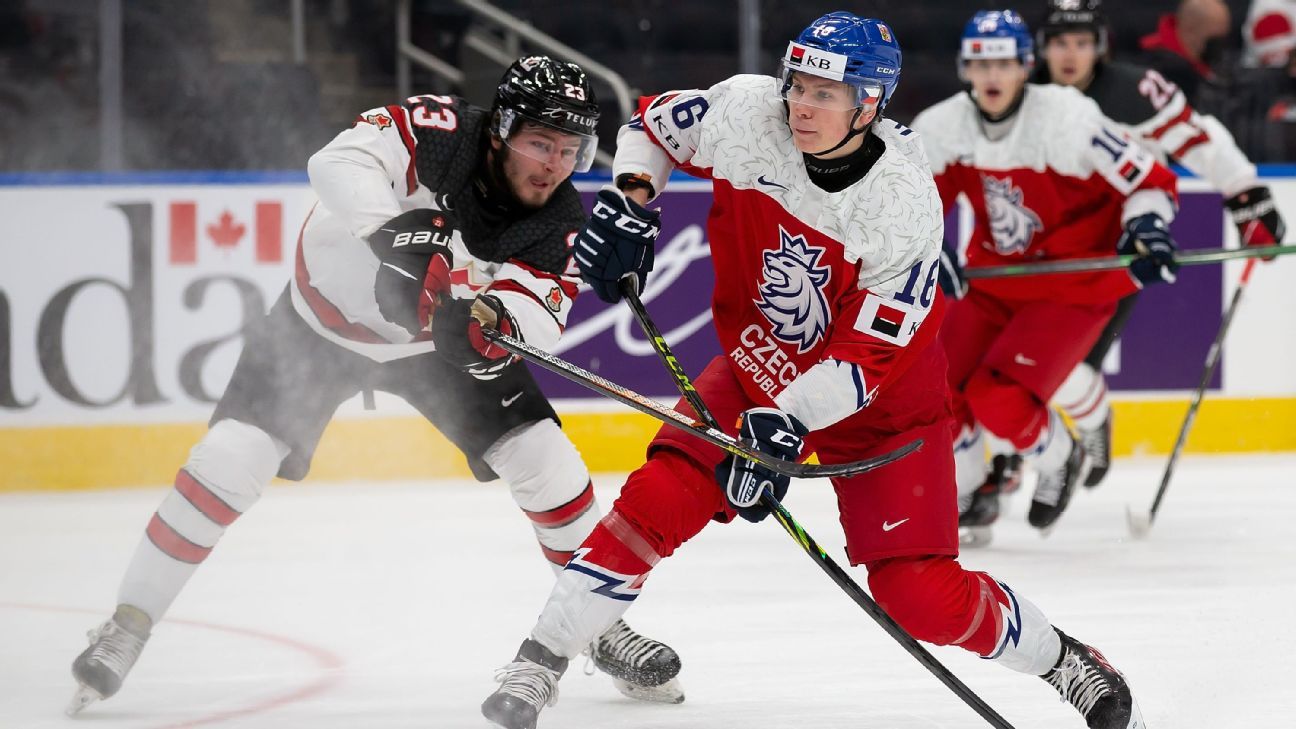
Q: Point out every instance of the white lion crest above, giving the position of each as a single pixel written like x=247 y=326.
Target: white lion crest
x=1012 y=224
x=792 y=296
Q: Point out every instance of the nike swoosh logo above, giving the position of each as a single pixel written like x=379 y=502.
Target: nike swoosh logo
x=761 y=179
x=888 y=526
x=1023 y=360
x=510 y=400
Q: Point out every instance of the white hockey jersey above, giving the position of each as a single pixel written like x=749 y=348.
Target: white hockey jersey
x=421 y=154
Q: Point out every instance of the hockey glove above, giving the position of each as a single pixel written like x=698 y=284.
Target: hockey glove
x=414 y=258
x=767 y=430
x=1147 y=237
x=616 y=242
x=950 y=276
x=457 y=334
x=1256 y=217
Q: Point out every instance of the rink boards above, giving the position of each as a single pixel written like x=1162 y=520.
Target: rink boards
x=121 y=301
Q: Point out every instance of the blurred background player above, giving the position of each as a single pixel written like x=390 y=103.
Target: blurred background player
x=1073 y=41
x=435 y=218
x=825 y=238
x=1048 y=177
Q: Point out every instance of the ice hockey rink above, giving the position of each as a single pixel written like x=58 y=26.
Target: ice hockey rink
x=390 y=605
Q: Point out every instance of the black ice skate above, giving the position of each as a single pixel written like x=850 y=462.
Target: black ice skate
x=527 y=685
x=1098 y=445
x=1088 y=682
x=640 y=667
x=983 y=510
x=1055 y=486
x=114 y=648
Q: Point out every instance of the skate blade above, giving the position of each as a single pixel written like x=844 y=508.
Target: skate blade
x=975 y=537
x=670 y=692
x=83 y=697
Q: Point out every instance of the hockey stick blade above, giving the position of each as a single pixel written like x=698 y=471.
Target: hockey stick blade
x=676 y=419
x=1139 y=524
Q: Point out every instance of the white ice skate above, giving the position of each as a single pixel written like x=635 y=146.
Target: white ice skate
x=114 y=648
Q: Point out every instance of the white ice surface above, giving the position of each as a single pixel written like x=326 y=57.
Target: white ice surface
x=389 y=605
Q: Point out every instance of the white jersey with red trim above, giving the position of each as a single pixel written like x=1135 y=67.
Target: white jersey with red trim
x=1156 y=113
x=1055 y=181
x=422 y=154
x=821 y=297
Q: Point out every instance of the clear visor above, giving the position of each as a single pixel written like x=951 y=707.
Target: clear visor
x=800 y=87
x=562 y=148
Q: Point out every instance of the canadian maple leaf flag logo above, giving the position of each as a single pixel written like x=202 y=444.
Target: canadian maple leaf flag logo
x=226 y=231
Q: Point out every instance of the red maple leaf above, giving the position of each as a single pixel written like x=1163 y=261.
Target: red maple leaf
x=382 y=121
x=227 y=232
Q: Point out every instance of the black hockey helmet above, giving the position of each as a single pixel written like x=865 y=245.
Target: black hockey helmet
x=1074 y=15
x=551 y=93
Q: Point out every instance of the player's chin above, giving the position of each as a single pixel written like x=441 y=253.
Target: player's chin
x=807 y=142
x=535 y=195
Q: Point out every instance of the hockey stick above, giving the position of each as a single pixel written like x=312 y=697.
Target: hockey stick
x=676 y=419
x=1111 y=263
x=1141 y=524
x=807 y=542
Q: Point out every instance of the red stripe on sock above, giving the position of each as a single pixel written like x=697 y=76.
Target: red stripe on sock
x=172 y=544
x=559 y=558
x=565 y=514
x=204 y=500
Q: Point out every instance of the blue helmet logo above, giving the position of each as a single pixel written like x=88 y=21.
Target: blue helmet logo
x=857 y=50
x=992 y=34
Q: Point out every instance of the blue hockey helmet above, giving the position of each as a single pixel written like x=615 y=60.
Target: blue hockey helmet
x=862 y=52
x=992 y=34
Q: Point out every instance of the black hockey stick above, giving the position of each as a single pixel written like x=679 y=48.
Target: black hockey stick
x=1141 y=524
x=807 y=542
x=1111 y=263
x=676 y=419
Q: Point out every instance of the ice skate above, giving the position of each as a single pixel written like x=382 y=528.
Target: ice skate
x=983 y=509
x=640 y=667
x=114 y=648
x=1055 y=486
x=1098 y=691
x=1097 y=444
x=527 y=685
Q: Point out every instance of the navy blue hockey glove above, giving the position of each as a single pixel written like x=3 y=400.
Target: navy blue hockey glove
x=1257 y=218
x=950 y=275
x=767 y=430
x=616 y=242
x=414 y=257
x=1148 y=237
x=457 y=334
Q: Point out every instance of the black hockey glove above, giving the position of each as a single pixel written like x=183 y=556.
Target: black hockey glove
x=950 y=276
x=457 y=334
x=414 y=257
x=616 y=242
x=1147 y=237
x=767 y=430
x=1256 y=217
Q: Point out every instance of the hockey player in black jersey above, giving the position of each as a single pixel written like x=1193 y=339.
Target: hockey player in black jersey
x=1073 y=42
x=435 y=219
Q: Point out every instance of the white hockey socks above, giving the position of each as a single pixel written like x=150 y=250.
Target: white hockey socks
x=1083 y=397
x=1027 y=641
x=549 y=483
x=225 y=475
x=969 y=462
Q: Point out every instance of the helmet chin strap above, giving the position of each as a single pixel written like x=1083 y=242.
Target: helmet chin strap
x=851 y=133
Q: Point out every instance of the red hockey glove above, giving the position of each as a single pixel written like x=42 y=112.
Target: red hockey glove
x=457 y=333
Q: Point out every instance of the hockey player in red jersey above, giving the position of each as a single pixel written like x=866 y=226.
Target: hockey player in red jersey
x=434 y=218
x=1047 y=177
x=1155 y=113
x=825 y=236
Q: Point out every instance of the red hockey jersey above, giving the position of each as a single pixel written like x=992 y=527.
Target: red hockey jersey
x=1060 y=183
x=821 y=298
